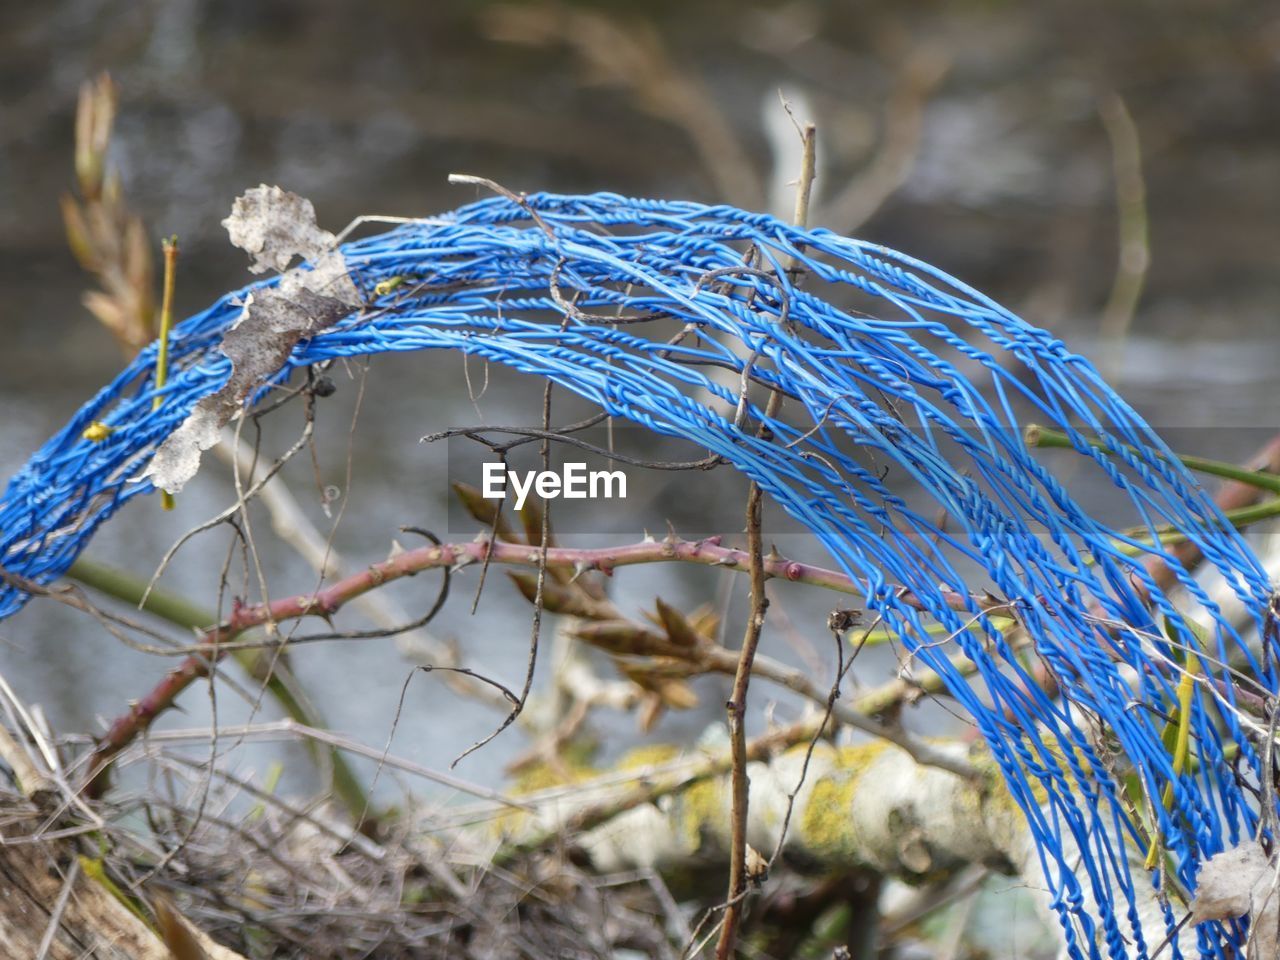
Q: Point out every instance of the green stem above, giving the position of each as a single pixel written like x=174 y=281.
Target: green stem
x=170 y=247
x=1038 y=436
x=881 y=637
x=1242 y=517
x=131 y=589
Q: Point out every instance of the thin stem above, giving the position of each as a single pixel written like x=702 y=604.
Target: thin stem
x=737 y=715
x=1170 y=535
x=737 y=705
x=326 y=602
x=1036 y=435
x=131 y=589
x=170 y=247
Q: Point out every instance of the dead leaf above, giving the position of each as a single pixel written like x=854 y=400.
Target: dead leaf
x=176 y=933
x=274 y=226
x=679 y=630
x=650 y=711
x=1240 y=881
x=678 y=695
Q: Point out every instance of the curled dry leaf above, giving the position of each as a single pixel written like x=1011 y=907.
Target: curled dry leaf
x=705 y=621
x=651 y=708
x=622 y=637
x=1238 y=882
x=559 y=599
x=757 y=866
x=663 y=685
x=679 y=630
x=484 y=510
x=273 y=226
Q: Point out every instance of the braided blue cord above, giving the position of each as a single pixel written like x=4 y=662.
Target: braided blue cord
x=938 y=387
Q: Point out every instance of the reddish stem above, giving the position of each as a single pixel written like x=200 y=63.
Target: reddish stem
x=328 y=601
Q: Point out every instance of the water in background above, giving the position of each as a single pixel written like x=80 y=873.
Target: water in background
x=971 y=137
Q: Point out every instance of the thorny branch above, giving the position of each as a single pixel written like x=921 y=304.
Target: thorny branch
x=326 y=602
x=213 y=646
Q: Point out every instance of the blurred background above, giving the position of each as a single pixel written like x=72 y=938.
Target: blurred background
x=1111 y=171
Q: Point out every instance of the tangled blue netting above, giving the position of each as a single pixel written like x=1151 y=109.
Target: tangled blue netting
x=934 y=384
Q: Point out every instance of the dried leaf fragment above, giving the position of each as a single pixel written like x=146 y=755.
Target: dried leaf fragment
x=1238 y=882
x=274 y=226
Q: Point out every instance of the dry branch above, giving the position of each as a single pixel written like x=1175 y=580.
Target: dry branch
x=737 y=705
x=38 y=875
x=218 y=641
x=864 y=805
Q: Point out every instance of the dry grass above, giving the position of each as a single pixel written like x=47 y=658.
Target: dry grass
x=269 y=877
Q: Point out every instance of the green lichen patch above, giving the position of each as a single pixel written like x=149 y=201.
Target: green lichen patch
x=704 y=812
x=826 y=824
x=652 y=755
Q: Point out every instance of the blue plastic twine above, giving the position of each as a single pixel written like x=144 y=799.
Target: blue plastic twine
x=934 y=384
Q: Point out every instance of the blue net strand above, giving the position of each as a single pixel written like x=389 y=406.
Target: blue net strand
x=656 y=311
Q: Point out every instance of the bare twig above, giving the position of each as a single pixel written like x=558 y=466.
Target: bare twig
x=536 y=626
x=808 y=172
x=292 y=525
x=279 y=678
x=243 y=497
x=737 y=705
x=30 y=780
x=737 y=714
x=292 y=730
x=37 y=780
x=212 y=647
